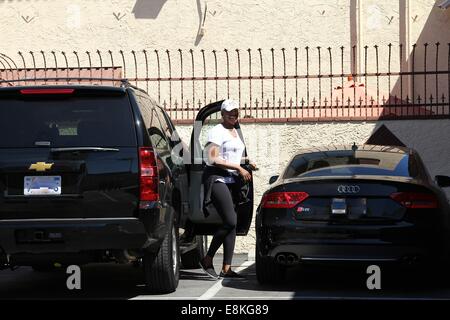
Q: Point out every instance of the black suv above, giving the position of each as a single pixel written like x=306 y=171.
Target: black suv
x=98 y=174
x=87 y=174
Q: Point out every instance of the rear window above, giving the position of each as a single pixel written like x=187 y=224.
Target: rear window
x=72 y=122
x=348 y=163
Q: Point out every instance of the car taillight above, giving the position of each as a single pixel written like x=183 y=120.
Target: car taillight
x=283 y=200
x=46 y=91
x=148 y=175
x=415 y=200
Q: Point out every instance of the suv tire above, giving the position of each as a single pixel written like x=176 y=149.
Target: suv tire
x=192 y=258
x=162 y=270
x=267 y=270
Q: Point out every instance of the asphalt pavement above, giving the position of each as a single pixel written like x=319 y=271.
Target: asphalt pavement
x=115 y=281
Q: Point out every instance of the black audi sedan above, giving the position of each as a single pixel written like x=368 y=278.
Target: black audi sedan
x=364 y=203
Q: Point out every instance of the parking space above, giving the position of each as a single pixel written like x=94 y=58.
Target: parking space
x=124 y=282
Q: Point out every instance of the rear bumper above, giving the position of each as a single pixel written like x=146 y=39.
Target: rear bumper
x=73 y=235
x=301 y=253
x=303 y=243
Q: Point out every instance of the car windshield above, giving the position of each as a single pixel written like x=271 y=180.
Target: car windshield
x=104 y=121
x=349 y=163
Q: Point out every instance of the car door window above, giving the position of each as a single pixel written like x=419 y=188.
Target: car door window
x=157 y=134
x=146 y=107
x=155 y=125
x=164 y=123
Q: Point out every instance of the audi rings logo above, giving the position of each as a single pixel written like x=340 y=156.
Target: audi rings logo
x=348 y=189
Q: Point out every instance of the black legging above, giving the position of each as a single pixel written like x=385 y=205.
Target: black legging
x=226 y=235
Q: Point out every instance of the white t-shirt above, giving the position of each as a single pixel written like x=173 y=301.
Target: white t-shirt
x=230 y=148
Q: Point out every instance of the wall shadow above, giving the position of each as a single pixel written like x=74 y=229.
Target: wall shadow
x=427 y=56
x=425 y=95
x=200 y=21
x=148 y=9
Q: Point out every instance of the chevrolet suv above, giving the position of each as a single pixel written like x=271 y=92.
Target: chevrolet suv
x=91 y=174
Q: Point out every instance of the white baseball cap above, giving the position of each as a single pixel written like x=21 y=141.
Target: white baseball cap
x=229 y=105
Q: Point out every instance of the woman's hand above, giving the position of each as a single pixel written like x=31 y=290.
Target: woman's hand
x=245 y=174
x=253 y=166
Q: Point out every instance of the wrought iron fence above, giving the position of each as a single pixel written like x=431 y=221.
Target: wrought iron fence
x=298 y=84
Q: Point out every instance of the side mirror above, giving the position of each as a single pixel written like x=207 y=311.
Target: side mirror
x=273 y=179
x=443 y=181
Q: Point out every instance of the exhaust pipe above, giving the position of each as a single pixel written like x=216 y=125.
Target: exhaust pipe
x=281 y=258
x=291 y=258
x=287 y=258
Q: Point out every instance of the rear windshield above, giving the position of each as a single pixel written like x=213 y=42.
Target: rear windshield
x=348 y=163
x=72 y=122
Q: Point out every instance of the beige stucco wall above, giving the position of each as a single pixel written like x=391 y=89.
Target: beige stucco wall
x=171 y=24
x=83 y=25
x=272 y=145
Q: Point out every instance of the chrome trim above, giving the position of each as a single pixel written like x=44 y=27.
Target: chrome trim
x=348 y=189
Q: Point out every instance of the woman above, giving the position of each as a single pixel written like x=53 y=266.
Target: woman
x=220 y=178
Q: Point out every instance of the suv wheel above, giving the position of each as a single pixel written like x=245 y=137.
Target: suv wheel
x=162 y=271
x=267 y=270
x=192 y=258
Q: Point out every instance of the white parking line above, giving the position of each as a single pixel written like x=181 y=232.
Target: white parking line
x=211 y=292
x=293 y=297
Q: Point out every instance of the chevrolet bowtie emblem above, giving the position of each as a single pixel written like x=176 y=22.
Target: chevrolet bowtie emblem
x=41 y=166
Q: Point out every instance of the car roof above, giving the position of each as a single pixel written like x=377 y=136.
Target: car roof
x=68 y=86
x=85 y=83
x=363 y=147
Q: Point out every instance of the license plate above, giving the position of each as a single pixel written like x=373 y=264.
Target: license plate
x=42 y=185
x=338 y=206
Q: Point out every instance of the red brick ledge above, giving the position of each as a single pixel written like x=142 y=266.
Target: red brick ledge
x=326 y=119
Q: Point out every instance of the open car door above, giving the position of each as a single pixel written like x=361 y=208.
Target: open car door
x=208 y=117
